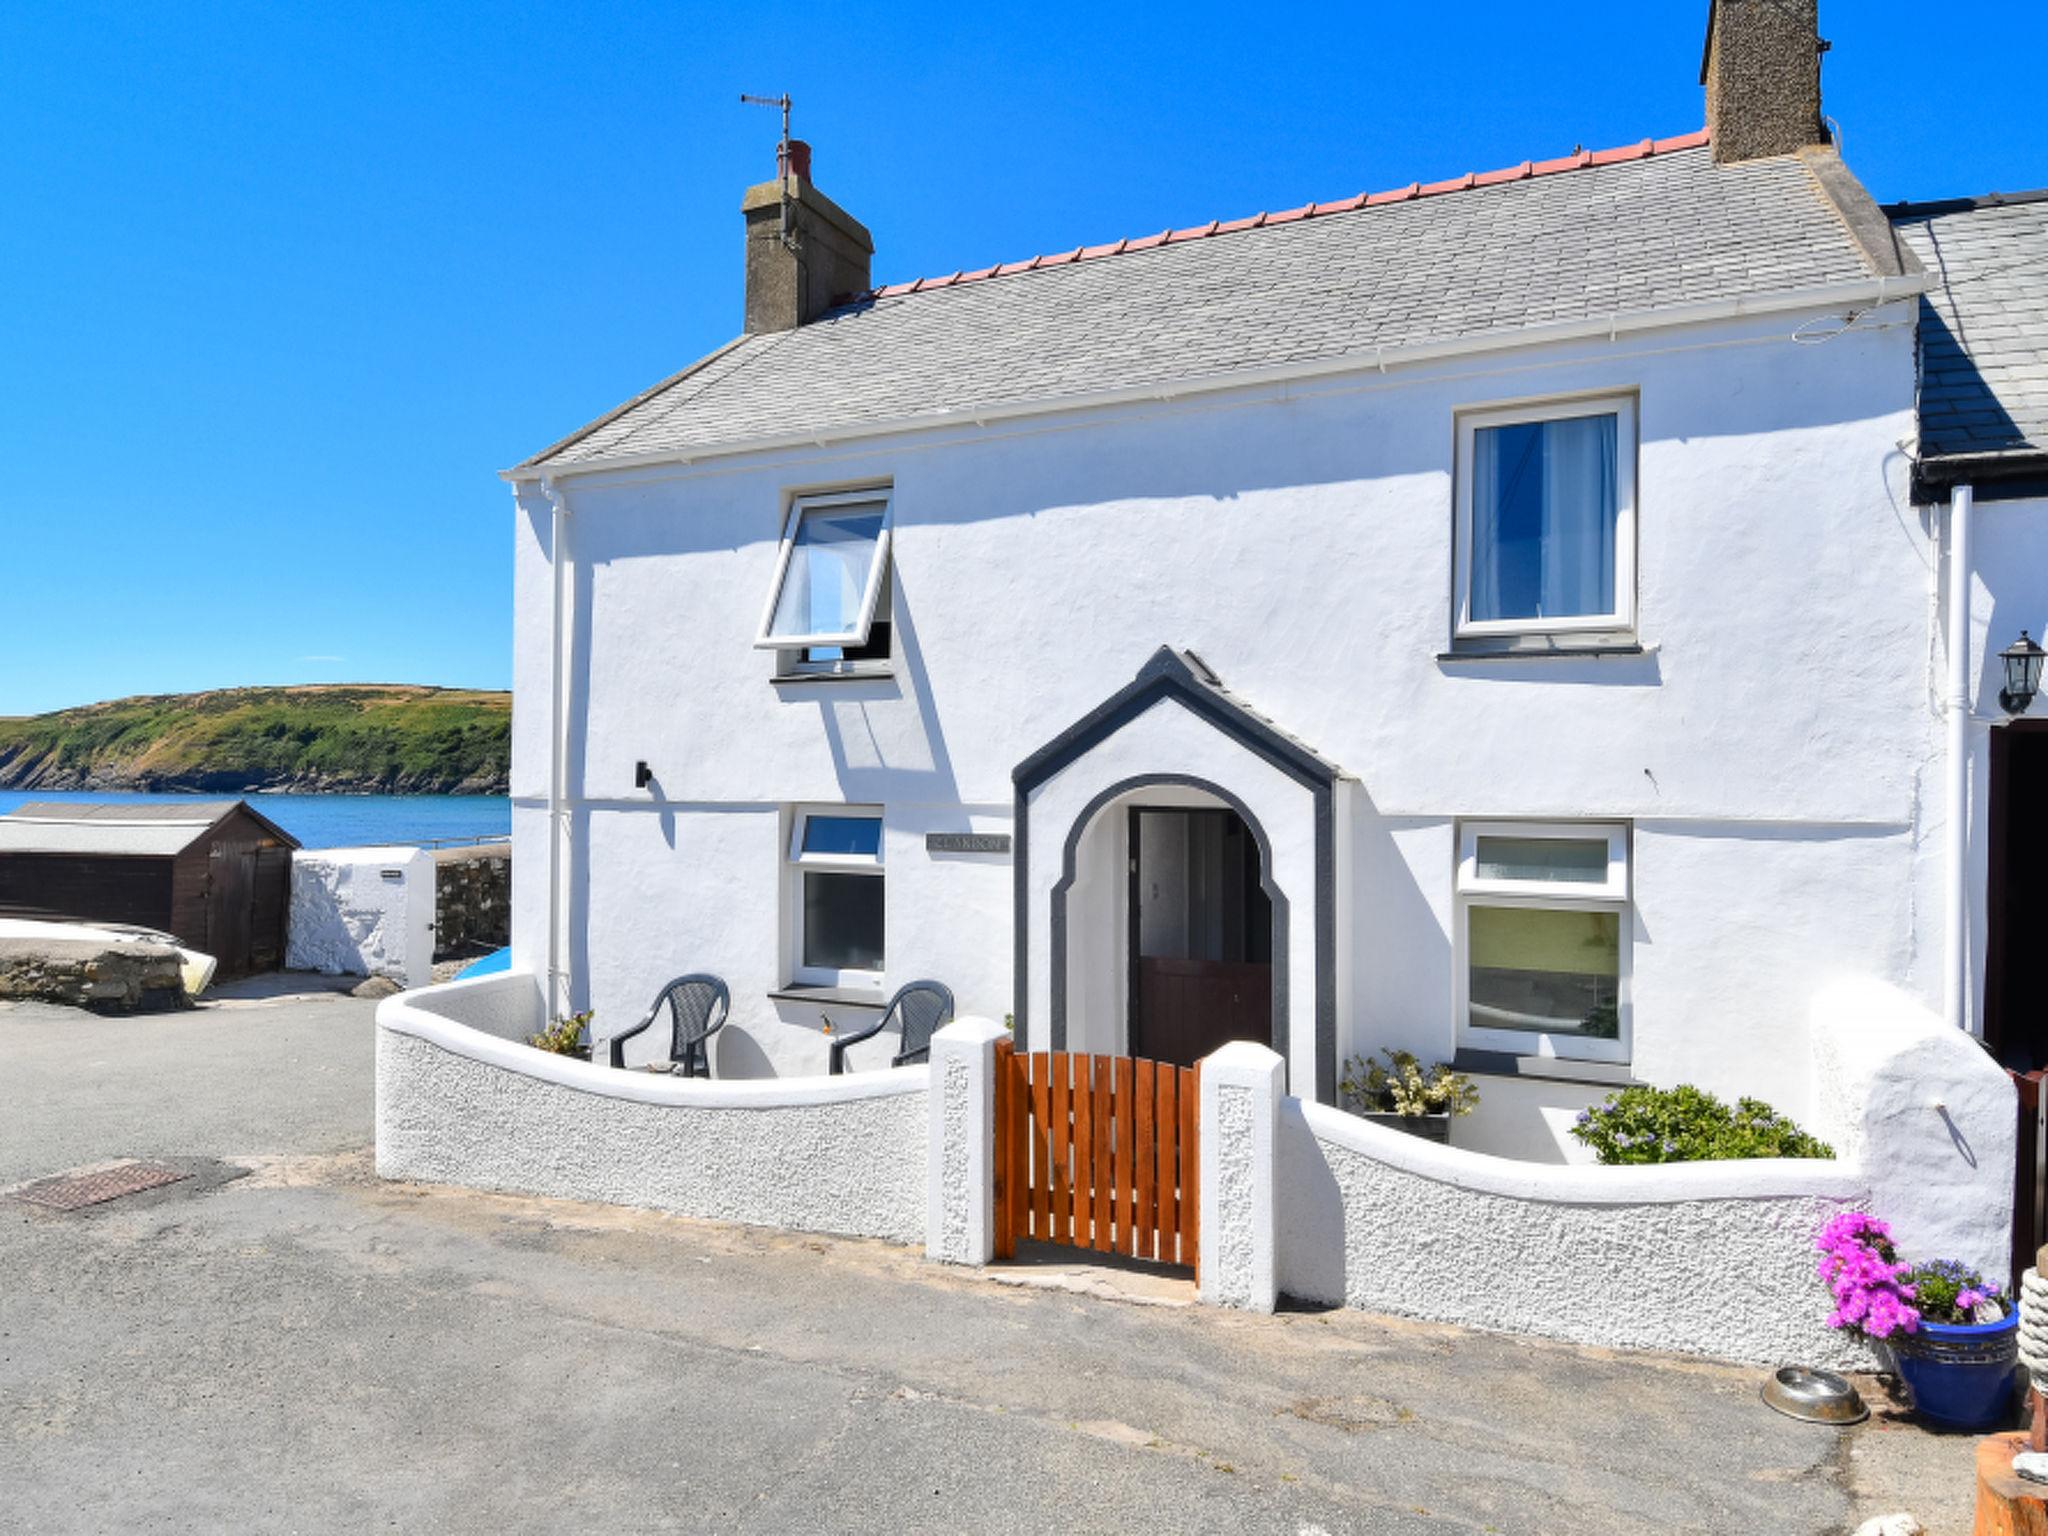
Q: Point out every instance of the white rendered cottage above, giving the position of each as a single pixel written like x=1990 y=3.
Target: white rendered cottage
x=1491 y=618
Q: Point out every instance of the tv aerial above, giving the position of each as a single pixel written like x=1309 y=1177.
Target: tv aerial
x=785 y=168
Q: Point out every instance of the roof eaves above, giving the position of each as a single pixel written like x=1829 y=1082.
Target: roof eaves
x=1940 y=207
x=539 y=461
x=1867 y=291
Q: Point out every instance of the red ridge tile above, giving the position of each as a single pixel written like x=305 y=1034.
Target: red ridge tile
x=1578 y=160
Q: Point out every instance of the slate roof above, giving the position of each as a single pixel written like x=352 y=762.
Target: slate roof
x=140 y=828
x=1589 y=236
x=1984 y=323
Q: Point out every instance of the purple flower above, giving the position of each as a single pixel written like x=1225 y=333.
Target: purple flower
x=1863 y=1274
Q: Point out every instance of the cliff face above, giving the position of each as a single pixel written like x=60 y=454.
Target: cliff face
x=342 y=738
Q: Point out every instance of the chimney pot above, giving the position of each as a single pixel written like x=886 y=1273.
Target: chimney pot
x=793 y=159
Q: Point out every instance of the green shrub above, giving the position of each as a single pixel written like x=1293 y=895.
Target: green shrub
x=1689 y=1125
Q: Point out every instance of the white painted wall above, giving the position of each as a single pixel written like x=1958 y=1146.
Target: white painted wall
x=462 y=1100
x=363 y=912
x=1776 y=750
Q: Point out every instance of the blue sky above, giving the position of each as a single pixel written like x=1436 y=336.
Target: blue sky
x=281 y=287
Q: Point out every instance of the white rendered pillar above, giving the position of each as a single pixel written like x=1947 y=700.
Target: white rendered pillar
x=959 y=1222
x=1242 y=1085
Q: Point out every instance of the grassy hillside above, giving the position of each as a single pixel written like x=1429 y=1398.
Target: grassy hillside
x=346 y=736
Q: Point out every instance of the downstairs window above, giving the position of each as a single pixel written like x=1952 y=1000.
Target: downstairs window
x=1543 y=940
x=836 y=897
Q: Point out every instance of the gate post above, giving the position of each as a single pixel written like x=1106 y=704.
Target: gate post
x=1241 y=1092
x=959 y=1221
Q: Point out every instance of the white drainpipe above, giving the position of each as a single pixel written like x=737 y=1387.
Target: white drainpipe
x=1956 y=954
x=558 y=746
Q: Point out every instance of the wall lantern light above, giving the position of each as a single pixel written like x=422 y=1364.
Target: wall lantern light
x=2022 y=674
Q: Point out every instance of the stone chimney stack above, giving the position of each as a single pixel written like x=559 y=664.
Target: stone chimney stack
x=1762 y=74
x=804 y=252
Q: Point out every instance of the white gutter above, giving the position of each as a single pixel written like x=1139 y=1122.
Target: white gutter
x=1955 y=906
x=558 y=745
x=1865 y=293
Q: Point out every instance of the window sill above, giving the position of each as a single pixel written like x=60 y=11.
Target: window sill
x=862 y=675
x=836 y=997
x=1553 y=1069
x=1520 y=648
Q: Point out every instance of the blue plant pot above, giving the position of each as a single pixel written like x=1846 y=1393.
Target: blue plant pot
x=1960 y=1374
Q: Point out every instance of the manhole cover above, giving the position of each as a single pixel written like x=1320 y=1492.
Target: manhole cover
x=74 y=1191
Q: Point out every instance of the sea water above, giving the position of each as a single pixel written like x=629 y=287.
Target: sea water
x=336 y=821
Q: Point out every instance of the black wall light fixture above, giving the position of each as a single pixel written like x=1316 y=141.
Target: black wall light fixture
x=642 y=775
x=2022 y=674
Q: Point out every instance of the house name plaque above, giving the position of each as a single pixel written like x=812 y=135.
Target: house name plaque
x=967 y=842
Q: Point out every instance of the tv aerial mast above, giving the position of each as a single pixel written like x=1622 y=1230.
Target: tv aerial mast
x=783 y=166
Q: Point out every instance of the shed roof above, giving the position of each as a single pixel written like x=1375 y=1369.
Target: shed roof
x=129 y=828
x=1653 y=227
x=1983 y=323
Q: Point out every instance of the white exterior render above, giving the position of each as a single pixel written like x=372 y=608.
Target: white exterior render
x=1772 y=753
x=1505 y=618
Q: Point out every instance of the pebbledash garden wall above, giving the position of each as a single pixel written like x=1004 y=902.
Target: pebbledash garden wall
x=1298 y=1199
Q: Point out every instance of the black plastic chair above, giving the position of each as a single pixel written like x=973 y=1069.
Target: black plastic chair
x=919 y=1008
x=697 y=1005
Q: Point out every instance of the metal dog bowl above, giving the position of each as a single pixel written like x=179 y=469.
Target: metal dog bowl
x=1817 y=1397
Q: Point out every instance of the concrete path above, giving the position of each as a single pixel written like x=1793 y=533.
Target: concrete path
x=283 y=1343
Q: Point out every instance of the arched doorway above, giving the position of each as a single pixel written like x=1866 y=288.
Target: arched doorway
x=1201 y=933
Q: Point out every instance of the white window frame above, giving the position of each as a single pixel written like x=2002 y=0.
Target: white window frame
x=798 y=506
x=1613 y=895
x=796 y=862
x=1623 y=616
x=1614 y=834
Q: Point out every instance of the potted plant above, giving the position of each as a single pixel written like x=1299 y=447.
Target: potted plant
x=1401 y=1093
x=566 y=1037
x=1952 y=1335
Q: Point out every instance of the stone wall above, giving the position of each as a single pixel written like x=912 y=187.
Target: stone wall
x=92 y=974
x=472 y=899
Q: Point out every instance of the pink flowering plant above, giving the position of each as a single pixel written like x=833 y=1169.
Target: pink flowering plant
x=1878 y=1295
x=1860 y=1268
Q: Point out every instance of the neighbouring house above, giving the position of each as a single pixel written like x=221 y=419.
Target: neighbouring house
x=1983 y=438
x=1525 y=618
x=216 y=874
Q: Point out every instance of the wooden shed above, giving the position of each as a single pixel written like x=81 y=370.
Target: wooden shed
x=212 y=872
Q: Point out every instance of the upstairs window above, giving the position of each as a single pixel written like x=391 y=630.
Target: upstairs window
x=836 y=896
x=829 y=575
x=1543 y=925
x=1546 y=519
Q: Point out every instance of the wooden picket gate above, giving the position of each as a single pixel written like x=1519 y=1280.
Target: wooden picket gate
x=1096 y=1152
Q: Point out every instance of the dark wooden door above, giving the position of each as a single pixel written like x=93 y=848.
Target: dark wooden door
x=1186 y=1008
x=1201 y=935
x=230 y=906
x=269 y=901
x=2016 y=898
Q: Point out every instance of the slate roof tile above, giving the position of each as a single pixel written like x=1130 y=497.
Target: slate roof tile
x=1984 y=323
x=1591 y=235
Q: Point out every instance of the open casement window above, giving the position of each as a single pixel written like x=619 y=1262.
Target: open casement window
x=1546 y=533
x=1543 y=940
x=836 y=892
x=829 y=575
